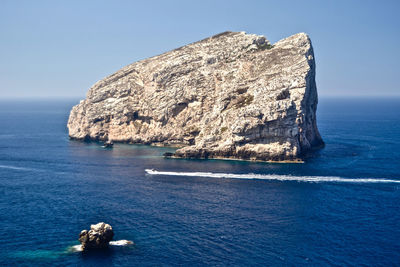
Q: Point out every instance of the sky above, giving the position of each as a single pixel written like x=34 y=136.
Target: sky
x=52 y=49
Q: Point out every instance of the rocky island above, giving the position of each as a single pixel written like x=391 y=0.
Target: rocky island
x=233 y=95
x=99 y=236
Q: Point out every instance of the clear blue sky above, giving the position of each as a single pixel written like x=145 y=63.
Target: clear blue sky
x=60 y=48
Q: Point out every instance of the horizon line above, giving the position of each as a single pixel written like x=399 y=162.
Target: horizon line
x=84 y=97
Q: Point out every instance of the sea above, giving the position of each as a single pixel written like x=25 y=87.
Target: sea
x=341 y=207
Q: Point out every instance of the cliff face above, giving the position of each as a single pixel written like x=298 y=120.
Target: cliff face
x=233 y=95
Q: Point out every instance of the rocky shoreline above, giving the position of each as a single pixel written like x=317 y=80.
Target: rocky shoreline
x=297 y=160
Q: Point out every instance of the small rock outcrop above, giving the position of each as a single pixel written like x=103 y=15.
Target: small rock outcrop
x=99 y=236
x=232 y=95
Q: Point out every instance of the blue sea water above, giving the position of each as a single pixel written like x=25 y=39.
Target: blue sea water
x=52 y=187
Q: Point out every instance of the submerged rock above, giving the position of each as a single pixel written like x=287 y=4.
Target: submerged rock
x=232 y=95
x=99 y=236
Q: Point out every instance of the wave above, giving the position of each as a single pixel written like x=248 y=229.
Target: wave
x=252 y=176
x=16 y=168
x=123 y=242
x=75 y=248
x=30 y=169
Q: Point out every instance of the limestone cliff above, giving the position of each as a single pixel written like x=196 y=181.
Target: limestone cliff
x=233 y=95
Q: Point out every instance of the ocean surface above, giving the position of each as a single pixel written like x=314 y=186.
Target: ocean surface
x=340 y=208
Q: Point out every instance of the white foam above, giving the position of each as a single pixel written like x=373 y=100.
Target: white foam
x=121 y=243
x=277 y=177
x=76 y=248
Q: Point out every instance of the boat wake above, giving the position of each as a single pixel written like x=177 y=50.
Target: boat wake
x=276 y=177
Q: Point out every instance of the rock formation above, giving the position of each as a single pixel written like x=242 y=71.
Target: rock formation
x=99 y=236
x=232 y=95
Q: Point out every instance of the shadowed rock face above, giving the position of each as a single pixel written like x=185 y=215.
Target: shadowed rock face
x=233 y=95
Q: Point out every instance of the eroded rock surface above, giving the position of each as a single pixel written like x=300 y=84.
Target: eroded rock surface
x=233 y=95
x=99 y=236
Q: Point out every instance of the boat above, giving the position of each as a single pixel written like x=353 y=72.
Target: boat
x=108 y=144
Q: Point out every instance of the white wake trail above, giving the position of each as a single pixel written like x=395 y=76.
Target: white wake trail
x=252 y=176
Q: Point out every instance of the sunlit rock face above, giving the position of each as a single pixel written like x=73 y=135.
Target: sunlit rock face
x=99 y=236
x=232 y=95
